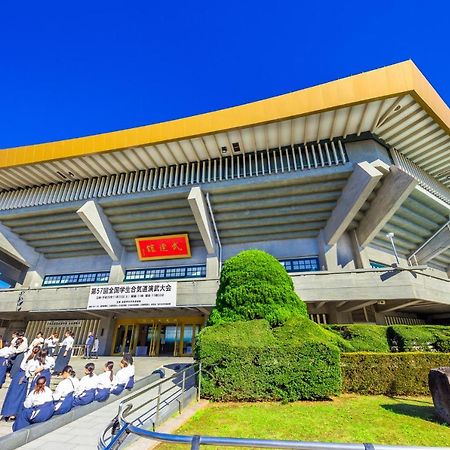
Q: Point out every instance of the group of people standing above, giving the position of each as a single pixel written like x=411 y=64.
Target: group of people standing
x=29 y=398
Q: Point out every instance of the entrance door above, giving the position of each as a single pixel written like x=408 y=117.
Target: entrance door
x=125 y=340
x=169 y=337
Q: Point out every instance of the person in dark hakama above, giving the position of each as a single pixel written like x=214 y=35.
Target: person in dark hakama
x=21 y=347
x=38 y=406
x=65 y=353
x=44 y=369
x=18 y=389
x=130 y=383
x=85 y=392
x=5 y=353
x=64 y=392
x=105 y=381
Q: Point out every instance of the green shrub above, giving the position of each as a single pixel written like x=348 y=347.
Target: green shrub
x=254 y=285
x=250 y=361
x=362 y=338
x=423 y=338
x=389 y=373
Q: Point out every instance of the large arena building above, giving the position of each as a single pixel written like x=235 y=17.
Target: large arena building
x=124 y=233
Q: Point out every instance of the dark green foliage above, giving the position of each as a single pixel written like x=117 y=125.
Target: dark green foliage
x=362 y=338
x=254 y=285
x=422 y=338
x=249 y=361
x=389 y=373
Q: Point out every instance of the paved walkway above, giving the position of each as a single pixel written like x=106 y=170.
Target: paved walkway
x=83 y=433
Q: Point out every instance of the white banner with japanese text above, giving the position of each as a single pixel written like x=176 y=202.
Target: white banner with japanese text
x=137 y=295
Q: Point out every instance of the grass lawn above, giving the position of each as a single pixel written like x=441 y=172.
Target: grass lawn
x=350 y=418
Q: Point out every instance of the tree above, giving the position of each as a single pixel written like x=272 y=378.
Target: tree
x=254 y=285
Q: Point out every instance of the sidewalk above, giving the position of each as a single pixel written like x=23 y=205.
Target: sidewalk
x=83 y=434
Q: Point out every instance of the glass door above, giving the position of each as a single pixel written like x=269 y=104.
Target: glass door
x=124 y=341
x=188 y=341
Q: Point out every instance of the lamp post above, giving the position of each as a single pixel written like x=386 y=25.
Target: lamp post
x=391 y=238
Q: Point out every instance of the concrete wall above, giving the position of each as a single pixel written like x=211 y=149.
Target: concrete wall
x=354 y=285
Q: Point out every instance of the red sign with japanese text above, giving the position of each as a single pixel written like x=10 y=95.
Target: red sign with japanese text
x=163 y=247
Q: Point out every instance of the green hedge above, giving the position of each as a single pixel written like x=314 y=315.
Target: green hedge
x=249 y=361
x=362 y=338
x=422 y=338
x=389 y=373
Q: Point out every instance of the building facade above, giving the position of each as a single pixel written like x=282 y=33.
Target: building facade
x=346 y=183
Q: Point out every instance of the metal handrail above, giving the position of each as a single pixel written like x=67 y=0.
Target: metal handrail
x=126 y=428
x=120 y=425
x=196 y=441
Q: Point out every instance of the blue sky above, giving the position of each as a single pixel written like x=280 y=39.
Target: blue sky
x=70 y=69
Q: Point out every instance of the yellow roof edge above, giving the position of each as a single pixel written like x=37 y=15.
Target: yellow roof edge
x=388 y=81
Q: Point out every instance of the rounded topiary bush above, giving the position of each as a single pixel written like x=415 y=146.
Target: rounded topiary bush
x=254 y=285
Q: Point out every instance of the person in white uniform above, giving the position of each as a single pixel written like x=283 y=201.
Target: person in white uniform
x=85 y=392
x=122 y=377
x=50 y=343
x=65 y=352
x=18 y=389
x=5 y=354
x=64 y=392
x=105 y=382
x=38 y=341
x=38 y=406
x=21 y=345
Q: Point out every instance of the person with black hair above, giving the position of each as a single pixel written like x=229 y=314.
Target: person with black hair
x=21 y=347
x=50 y=343
x=65 y=352
x=46 y=365
x=85 y=392
x=64 y=392
x=105 y=381
x=123 y=376
x=38 y=406
x=18 y=389
x=5 y=354
x=129 y=359
x=38 y=341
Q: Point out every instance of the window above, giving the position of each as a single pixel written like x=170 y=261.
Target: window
x=377 y=265
x=301 y=264
x=161 y=273
x=76 y=278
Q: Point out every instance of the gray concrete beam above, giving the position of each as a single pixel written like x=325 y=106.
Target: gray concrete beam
x=14 y=246
x=434 y=246
x=199 y=209
x=327 y=253
x=95 y=219
x=393 y=306
x=355 y=193
x=353 y=306
x=396 y=187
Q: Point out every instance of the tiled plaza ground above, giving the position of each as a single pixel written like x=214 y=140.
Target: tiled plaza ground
x=83 y=433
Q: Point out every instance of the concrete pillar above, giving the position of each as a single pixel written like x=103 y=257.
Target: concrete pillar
x=360 y=256
x=396 y=187
x=212 y=266
x=35 y=275
x=107 y=324
x=96 y=220
x=327 y=254
x=355 y=193
x=117 y=273
x=334 y=316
